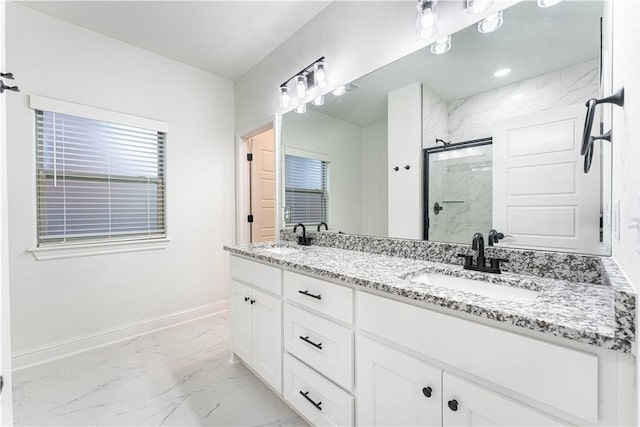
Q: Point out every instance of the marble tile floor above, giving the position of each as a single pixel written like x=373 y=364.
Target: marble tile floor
x=176 y=377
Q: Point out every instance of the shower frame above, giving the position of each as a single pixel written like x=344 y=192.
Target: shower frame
x=426 y=152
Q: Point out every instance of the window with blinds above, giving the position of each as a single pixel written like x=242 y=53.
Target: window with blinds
x=306 y=191
x=98 y=181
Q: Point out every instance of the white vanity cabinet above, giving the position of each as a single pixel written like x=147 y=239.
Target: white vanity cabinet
x=395 y=389
x=256 y=325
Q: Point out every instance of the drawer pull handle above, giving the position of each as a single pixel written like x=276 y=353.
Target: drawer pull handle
x=306 y=396
x=308 y=341
x=310 y=295
x=427 y=391
x=453 y=405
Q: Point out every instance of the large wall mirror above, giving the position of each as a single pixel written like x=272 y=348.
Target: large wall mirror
x=484 y=136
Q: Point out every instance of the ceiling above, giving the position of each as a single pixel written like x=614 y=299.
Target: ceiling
x=533 y=41
x=226 y=38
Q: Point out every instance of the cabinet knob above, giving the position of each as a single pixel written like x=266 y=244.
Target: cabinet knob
x=407 y=167
x=246 y=299
x=396 y=168
x=453 y=405
x=427 y=391
x=253 y=301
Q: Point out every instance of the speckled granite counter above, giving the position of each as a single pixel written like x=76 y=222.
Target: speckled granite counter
x=602 y=315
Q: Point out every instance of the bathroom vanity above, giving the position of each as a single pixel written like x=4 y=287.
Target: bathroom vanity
x=355 y=338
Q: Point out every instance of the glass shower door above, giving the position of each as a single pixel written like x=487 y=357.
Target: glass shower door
x=459 y=198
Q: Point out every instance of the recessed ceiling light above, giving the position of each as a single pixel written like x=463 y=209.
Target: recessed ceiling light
x=475 y=7
x=548 y=3
x=502 y=72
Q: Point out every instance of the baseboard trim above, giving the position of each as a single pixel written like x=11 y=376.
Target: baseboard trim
x=64 y=348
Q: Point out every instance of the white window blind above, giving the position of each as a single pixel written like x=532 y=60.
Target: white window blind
x=98 y=181
x=306 y=191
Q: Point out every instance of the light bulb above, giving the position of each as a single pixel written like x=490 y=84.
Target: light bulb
x=502 y=72
x=301 y=109
x=339 y=91
x=427 y=21
x=301 y=86
x=475 y=7
x=548 y=3
x=320 y=73
x=318 y=101
x=441 y=46
x=491 y=23
x=285 y=98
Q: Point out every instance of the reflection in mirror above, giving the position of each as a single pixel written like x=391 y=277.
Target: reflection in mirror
x=485 y=136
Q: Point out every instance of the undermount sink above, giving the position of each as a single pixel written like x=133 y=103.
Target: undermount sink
x=485 y=289
x=281 y=250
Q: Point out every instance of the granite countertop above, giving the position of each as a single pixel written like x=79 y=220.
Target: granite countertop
x=580 y=312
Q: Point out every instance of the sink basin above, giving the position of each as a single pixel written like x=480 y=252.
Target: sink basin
x=281 y=250
x=485 y=289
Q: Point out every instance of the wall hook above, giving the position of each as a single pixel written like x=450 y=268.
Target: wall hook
x=7 y=76
x=4 y=87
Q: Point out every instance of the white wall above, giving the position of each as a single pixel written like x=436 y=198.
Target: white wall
x=626 y=137
x=375 y=169
x=342 y=142
x=356 y=37
x=473 y=117
x=62 y=299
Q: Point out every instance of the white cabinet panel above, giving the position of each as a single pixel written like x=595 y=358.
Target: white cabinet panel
x=266 y=319
x=466 y=404
x=564 y=378
x=322 y=344
x=260 y=275
x=394 y=389
x=328 y=298
x=321 y=402
x=241 y=321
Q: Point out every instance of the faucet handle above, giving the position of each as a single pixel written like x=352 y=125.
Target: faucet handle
x=468 y=259
x=495 y=262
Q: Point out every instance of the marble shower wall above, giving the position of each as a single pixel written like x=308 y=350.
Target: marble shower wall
x=473 y=117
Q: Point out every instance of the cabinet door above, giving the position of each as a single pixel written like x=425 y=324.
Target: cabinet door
x=395 y=389
x=267 y=338
x=466 y=404
x=241 y=321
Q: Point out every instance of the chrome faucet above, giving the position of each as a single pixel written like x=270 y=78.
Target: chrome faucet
x=303 y=240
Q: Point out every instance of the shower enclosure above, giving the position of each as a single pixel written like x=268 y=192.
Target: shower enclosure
x=457 y=191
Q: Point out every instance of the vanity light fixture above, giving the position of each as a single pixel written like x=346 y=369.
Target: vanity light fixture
x=441 y=46
x=475 y=7
x=313 y=75
x=318 y=101
x=285 y=98
x=502 y=72
x=427 y=22
x=548 y=3
x=320 y=73
x=339 y=91
x=301 y=109
x=301 y=86
x=491 y=23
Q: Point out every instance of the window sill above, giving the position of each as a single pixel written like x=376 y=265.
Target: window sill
x=46 y=253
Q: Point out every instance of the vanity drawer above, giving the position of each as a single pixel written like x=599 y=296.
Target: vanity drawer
x=325 y=297
x=259 y=275
x=320 y=343
x=558 y=376
x=321 y=402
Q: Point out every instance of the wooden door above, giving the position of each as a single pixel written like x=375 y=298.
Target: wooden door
x=541 y=196
x=395 y=389
x=267 y=338
x=263 y=187
x=241 y=321
x=466 y=404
